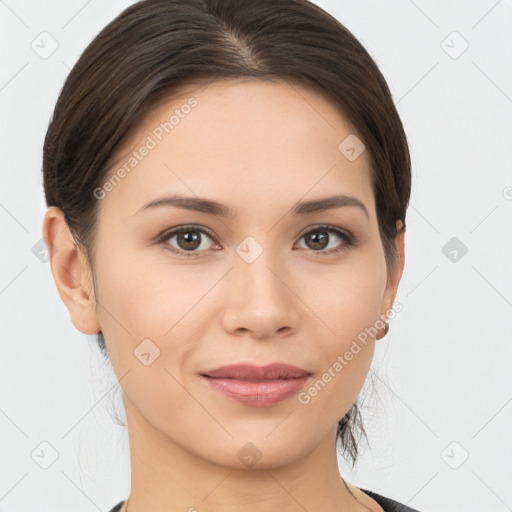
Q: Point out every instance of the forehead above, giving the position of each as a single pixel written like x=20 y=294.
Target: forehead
x=245 y=135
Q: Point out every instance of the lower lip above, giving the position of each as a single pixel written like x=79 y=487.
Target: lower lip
x=257 y=393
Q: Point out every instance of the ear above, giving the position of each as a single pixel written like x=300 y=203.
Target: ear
x=395 y=273
x=71 y=272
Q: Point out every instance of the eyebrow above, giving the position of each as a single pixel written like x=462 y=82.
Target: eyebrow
x=214 y=208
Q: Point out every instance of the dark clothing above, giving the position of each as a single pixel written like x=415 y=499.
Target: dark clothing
x=117 y=508
x=387 y=504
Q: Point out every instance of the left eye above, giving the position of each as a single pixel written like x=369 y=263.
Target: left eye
x=319 y=239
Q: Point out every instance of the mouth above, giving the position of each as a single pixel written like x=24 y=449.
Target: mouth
x=257 y=386
x=251 y=372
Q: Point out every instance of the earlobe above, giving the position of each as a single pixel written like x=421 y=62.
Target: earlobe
x=71 y=272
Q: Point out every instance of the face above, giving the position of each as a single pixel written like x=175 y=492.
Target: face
x=267 y=274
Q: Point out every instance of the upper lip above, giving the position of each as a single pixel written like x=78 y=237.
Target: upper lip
x=247 y=371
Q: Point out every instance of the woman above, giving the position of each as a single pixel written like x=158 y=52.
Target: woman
x=227 y=184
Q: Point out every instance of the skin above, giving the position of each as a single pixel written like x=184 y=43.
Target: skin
x=258 y=148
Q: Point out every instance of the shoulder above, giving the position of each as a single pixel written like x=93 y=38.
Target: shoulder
x=388 y=504
x=117 y=508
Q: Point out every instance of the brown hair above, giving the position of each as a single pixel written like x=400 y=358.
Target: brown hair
x=154 y=46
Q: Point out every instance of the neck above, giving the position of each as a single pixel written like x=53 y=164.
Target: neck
x=166 y=477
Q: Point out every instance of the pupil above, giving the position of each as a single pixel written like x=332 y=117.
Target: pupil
x=317 y=239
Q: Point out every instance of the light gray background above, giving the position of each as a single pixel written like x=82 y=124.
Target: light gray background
x=442 y=375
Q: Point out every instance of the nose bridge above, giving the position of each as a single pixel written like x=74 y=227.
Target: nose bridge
x=259 y=299
x=257 y=270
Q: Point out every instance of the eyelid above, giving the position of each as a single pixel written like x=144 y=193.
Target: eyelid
x=329 y=228
x=184 y=227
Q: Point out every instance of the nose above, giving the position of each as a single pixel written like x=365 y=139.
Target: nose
x=259 y=300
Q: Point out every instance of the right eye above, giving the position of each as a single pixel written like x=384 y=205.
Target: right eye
x=189 y=241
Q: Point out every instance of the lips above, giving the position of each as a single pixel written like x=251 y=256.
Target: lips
x=257 y=386
x=251 y=372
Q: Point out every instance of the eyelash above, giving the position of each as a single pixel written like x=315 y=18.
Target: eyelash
x=348 y=239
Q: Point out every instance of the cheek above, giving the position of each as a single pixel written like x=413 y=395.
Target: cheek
x=346 y=358
x=333 y=391
x=347 y=304
x=141 y=301
x=132 y=307
x=346 y=299
x=145 y=299
x=144 y=322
